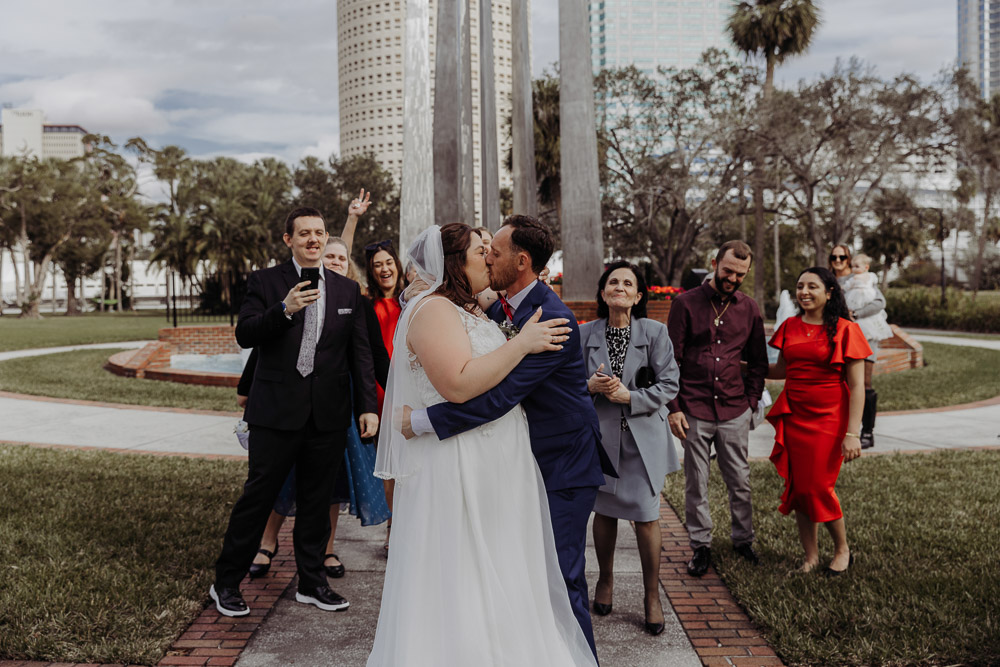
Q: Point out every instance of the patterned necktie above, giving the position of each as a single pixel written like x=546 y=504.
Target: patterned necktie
x=307 y=350
x=505 y=304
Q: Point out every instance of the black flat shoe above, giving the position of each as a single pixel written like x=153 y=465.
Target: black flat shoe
x=601 y=609
x=830 y=572
x=746 y=552
x=698 y=565
x=258 y=570
x=334 y=571
x=654 y=628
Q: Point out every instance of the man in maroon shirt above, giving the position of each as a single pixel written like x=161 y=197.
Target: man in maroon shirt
x=713 y=328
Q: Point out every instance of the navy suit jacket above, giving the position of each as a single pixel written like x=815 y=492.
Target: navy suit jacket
x=552 y=389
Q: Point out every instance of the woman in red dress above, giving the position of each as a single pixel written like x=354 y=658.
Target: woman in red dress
x=385 y=284
x=817 y=417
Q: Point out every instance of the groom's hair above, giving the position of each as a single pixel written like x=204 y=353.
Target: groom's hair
x=530 y=236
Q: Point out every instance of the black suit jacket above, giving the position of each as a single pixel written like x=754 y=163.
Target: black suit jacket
x=380 y=355
x=280 y=397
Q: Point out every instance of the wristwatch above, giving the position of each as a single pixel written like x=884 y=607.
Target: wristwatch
x=284 y=311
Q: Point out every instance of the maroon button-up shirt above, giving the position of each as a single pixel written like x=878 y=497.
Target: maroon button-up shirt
x=712 y=386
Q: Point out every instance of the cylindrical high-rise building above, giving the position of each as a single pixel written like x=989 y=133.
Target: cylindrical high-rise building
x=370 y=37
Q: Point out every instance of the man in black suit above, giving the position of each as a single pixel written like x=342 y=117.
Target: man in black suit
x=310 y=342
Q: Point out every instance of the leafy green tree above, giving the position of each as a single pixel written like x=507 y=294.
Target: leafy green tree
x=901 y=232
x=975 y=123
x=331 y=186
x=669 y=177
x=774 y=30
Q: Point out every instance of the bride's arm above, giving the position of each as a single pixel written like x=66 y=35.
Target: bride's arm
x=438 y=338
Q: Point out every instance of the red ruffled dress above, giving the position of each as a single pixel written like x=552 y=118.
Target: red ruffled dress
x=810 y=416
x=387 y=311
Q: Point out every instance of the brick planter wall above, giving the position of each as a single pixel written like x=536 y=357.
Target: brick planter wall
x=216 y=339
x=586 y=311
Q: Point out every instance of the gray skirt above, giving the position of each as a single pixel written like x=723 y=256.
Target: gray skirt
x=633 y=498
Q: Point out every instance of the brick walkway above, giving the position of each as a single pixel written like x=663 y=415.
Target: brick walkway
x=719 y=630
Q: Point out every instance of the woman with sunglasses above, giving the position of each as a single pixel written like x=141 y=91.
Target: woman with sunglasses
x=840 y=264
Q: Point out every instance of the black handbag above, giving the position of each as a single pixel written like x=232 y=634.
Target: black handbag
x=645 y=378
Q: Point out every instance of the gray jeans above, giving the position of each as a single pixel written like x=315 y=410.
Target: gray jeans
x=731 y=440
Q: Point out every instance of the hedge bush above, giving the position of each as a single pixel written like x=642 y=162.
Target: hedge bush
x=921 y=307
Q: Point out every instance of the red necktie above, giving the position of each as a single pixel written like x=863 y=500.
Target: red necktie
x=506 y=308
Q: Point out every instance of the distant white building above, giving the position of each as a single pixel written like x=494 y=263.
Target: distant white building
x=979 y=42
x=24 y=132
x=370 y=79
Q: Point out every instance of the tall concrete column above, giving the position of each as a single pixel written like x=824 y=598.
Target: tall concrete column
x=488 y=120
x=523 y=125
x=582 y=240
x=467 y=170
x=447 y=114
x=417 y=179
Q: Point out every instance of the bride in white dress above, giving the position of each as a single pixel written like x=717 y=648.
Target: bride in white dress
x=472 y=578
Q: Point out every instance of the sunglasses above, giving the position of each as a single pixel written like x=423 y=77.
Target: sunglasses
x=373 y=248
x=841 y=258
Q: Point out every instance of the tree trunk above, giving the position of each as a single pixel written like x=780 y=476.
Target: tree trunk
x=72 y=307
x=580 y=188
x=117 y=274
x=777 y=262
x=758 y=197
x=977 y=272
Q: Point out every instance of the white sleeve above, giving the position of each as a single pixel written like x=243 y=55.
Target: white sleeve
x=420 y=422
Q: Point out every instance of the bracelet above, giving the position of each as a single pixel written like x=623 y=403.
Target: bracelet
x=851 y=435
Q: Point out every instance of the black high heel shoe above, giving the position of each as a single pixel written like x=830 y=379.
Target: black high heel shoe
x=830 y=572
x=602 y=609
x=652 y=628
x=258 y=570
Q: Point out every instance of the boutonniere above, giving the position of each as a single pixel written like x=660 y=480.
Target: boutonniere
x=509 y=330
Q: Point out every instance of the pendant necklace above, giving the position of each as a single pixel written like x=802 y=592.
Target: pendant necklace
x=718 y=315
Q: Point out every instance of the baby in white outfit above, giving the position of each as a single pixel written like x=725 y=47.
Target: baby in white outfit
x=859 y=291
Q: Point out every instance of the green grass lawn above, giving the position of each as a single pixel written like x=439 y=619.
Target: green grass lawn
x=925 y=586
x=106 y=557
x=80 y=375
x=953 y=375
x=57 y=330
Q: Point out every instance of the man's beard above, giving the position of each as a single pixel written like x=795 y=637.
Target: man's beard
x=501 y=277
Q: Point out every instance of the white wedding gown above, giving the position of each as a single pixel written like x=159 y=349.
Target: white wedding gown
x=473 y=579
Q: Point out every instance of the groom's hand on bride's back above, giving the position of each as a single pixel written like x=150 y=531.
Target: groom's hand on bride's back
x=536 y=336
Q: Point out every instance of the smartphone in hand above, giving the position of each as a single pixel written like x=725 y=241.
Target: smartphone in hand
x=311 y=274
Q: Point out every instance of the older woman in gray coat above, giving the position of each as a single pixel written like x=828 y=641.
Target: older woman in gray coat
x=633 y=375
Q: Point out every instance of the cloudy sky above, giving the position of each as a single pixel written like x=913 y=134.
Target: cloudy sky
x=247 y=78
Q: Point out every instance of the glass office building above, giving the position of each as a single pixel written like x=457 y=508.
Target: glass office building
x=979 y=42
x=651 y=33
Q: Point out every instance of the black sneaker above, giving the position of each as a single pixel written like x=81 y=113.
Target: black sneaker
x=746 y=551
x=698 y=565
x=323 y=598
x=229 y=601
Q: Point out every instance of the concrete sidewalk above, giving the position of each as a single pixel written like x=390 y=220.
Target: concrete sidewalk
x=297 y=634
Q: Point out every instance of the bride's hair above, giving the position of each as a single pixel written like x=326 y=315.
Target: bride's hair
x=456 y=237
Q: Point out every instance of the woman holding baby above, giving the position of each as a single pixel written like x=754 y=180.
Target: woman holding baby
x=867 y=306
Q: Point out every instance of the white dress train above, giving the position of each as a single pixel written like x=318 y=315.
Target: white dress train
x=473 y=578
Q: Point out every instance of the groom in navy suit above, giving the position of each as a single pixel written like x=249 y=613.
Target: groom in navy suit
x=552 y=389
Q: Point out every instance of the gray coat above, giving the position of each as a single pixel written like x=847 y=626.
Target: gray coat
x=649 y=345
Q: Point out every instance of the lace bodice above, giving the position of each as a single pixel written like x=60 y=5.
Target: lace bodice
x=484 y=337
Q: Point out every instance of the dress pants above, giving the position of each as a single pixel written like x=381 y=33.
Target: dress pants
x=732 y=441
x=317 y=456
x=570 y=510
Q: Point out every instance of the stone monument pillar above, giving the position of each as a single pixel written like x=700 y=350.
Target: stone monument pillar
x=523 y=126
x=582 y=240
x=417 y=180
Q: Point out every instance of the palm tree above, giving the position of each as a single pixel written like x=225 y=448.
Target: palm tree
x=776 y=30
